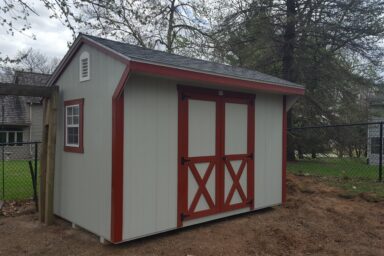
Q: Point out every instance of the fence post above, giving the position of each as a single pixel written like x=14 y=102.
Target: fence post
x=36 y=151
x=35 y=178
x=381 y=153
x=3 y=170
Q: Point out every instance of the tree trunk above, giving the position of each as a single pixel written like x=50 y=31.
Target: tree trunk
x=313 y=153
x=289 y=42
x=170 y=31
x=340 y=153
x=350 y=151
x=290 y=140
x=300 y=152
x=288 y=62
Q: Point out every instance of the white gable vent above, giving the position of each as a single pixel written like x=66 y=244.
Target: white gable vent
x=84 y=67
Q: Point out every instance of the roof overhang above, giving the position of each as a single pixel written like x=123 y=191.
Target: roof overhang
x=149 y=68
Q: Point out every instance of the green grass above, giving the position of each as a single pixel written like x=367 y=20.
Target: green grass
x=17 y=180
x=351 y=174
x=355 y=187
x=335 y=167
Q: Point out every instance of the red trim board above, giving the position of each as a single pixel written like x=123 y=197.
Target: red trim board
x=118 y=159
x=80 y=148
x=139 y=67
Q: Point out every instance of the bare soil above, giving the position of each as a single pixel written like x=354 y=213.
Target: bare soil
x=317 y=220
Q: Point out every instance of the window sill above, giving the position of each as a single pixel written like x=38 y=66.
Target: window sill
x=73 y=149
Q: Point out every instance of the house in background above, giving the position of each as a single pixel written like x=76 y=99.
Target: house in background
x=21 y=117
x=376 y=114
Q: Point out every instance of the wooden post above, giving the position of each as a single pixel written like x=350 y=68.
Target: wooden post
x=51 y=147
x=43 y=161
x=47 y=154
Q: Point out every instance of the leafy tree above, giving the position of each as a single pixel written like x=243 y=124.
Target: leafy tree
x=34 y=61
x=326 y=45
x=170 y=25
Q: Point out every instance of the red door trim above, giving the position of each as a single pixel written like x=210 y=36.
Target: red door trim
x=251 y=153
x=118 y=159
x=284 y=163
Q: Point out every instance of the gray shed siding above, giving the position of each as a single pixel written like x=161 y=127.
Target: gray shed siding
x=150 y=156
x=83 y=181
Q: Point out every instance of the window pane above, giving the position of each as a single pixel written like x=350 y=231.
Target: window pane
x=69 y=120
x=11 y=137
x=69 y=111
x=75 y=120
x=75 y=110
x=19 y=137
x=75 y=139
x=73 y=135
x=3 y=137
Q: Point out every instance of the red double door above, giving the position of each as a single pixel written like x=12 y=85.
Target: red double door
x=216 y=152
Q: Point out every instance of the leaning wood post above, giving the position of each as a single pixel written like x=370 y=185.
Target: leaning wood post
x=51 y=147
x=50 y=96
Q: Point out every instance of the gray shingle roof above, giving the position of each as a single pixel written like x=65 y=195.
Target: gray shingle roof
x=15 y=107
x=31 y=78
x=158 y=57
x=15 y=110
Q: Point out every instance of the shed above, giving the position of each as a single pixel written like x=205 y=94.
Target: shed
x=149 y=141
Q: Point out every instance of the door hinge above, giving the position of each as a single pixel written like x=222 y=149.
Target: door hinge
x=250 y=156
x=250 y=201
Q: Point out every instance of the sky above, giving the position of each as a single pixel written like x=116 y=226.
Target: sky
x=52 y=37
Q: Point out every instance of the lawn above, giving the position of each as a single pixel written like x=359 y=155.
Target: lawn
x=15 y=180
x=335 y=167
x=352 y=174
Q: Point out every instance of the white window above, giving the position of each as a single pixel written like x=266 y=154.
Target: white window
x=73 y=139
x=73 y=125
x=11 y=137
x=84 y=67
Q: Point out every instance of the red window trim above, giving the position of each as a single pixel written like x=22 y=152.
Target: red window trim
x=80 y=148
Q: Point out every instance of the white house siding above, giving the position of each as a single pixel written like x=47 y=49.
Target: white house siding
x=268 y=149
x=150 y=156
x=376 y=113
x=36 y=128
x=83 y=180
x=373 y=132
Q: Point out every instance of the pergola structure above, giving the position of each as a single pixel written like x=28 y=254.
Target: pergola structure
x=47 y=155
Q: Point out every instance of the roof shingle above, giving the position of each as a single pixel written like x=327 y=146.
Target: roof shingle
x=163 y=58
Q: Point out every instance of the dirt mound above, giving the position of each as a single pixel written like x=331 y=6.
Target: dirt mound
x=315 y=221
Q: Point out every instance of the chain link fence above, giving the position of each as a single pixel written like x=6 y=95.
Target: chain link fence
x=350 y=155
x=19 y=170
